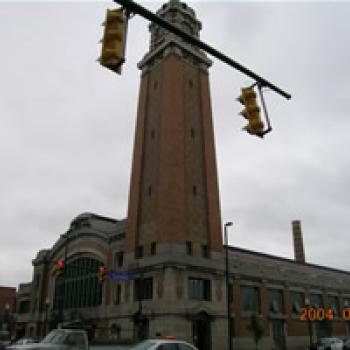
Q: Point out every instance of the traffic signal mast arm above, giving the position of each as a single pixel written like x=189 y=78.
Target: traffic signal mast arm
x=135 y=8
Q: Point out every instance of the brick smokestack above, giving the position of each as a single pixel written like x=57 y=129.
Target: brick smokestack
x=299 y=254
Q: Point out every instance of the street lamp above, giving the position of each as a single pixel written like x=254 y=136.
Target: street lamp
x=229 y=330
x=307 y=304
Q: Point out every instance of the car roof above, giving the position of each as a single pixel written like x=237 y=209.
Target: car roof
x=166 y=341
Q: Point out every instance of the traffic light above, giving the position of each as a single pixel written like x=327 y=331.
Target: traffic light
x=112 y=54
x=59 y=268
x=251 y=112
x=102 y=273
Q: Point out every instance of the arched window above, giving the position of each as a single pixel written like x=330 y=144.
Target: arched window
x=79 y=285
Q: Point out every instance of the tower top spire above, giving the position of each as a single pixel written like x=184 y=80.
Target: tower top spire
x=181 y=15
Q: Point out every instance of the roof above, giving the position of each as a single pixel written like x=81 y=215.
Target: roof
x=279 y=258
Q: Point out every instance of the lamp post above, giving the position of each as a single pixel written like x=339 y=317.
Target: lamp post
x=307 y=304
x=229 y=330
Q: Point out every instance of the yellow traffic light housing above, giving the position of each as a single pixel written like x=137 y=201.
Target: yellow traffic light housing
x=251 y=112
x=113 y=41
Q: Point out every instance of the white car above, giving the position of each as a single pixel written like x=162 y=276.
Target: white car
x=330 y=344
x=25 y=341
x=163 y=344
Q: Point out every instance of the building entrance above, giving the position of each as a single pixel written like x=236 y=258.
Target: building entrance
x=142 y=328
x=201 y=331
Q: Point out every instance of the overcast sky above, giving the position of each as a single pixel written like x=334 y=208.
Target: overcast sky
x=67 y=125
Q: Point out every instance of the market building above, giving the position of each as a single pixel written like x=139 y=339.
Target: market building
x=166 y=263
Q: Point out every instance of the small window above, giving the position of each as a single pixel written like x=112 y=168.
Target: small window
x=189 y=248
x=118 y=294
x=275 y=301
x=316 y=301
x=194 y=190
x=153 y=133
x=250 y=299
x=153 y=248
x=192 y=132
x=190 y=83
x=143 y=288
x=120 y=259
x=139 y=252
x=205 y=251
x=155 y=85
x=298 y=301
x=333 y=304
x=230 y=293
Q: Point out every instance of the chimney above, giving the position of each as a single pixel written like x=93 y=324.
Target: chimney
x=299 y=254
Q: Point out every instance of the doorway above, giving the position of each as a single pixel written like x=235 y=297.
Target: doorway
x=201 y=332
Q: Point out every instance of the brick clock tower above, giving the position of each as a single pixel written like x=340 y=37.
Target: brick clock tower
x=174 y=196
x=174 y=240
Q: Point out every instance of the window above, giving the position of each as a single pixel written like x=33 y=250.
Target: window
x=194 y=190
x=275 y=301
x=143 y=288
x=24 y=307
x=298 y=301
x=250 y=299
x=184 y=347
x=118 y=294
x=333 y=304
x=150 y=190
x=189 y=248
x=153 y=248
x=230 y=293
x=346 y=302
x=80 y=287
x=205 y=251
x=75 y=339
x=169 y=346
x=192 y=132
x=119 y=257
x=316 y=301
x=139 y=252
x=153 y=133
x=199 y=289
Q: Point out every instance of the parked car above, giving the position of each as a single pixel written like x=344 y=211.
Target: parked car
x=58 y=339
x=346 y=344
x=163 y=344
x=5 y=339
x=22 y=341
x=328 y=344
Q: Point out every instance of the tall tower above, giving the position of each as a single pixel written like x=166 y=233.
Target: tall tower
x=174 y=200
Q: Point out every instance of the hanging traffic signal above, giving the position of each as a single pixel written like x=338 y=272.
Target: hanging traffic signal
x=59 y=268
x=113 y=42
x=251 y=112
x=102 y=273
